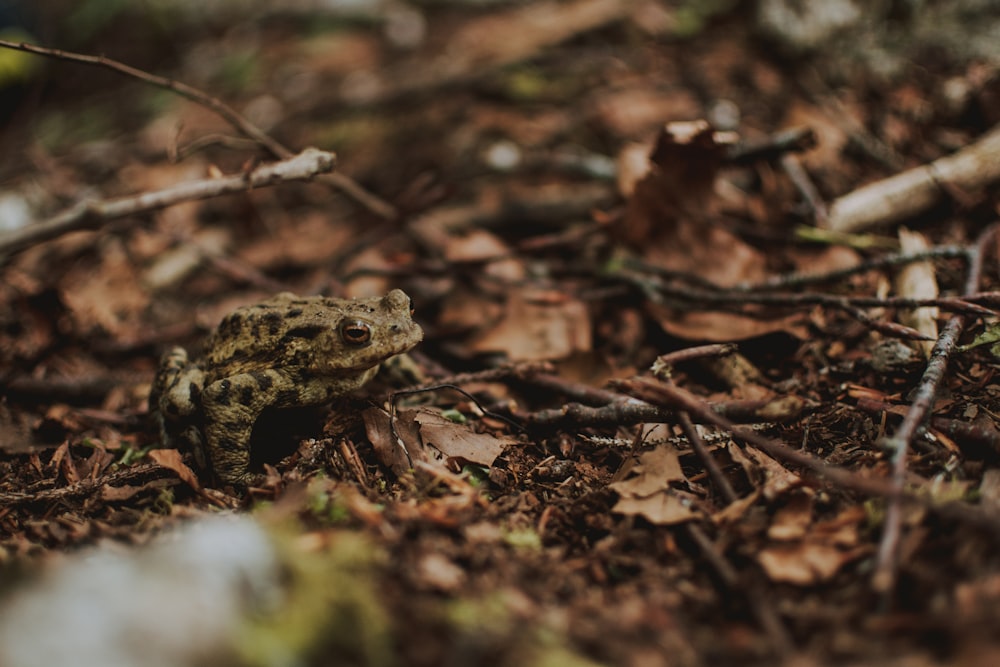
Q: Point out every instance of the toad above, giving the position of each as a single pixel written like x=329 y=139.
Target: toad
x=288 y=351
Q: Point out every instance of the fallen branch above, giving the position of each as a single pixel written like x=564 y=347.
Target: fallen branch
x=339 y=181
x=887 y=562
x=908 y=193
x=92 y=214
x=670 y=396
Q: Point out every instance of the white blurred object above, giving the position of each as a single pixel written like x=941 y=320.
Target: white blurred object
x=15 y=211
x=176 y=602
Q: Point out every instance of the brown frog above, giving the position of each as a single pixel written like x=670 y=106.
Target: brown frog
x=288 y=351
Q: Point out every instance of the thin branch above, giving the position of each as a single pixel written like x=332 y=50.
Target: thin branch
x=722 y=485
x=739 y=302
x=788 y=281
x=339 y=181
x=800 y=178
x=910 y=192
x=779 y=144
x=975 y=439
x=673 y=397
x=887 y=562
x=92 y=214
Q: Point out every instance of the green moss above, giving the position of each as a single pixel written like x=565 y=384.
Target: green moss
x=330 y=608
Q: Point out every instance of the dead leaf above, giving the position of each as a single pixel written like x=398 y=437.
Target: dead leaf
x=648 y=494
x=426 y=436
x=479 y=245
x=539 y=325
x=816 y=551
x=119 y=493
x=436 y=571
x=735 y=510
x=791 y=521
x=661 y=508
x=397 y=445
x=298 y=240
x=110 y=297
x=778 y=479
x=171 y=459
x=669 y=219
x=458 y=443
x=654 y=472
x=803 y=564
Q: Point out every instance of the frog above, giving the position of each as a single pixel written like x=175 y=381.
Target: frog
x=285 y=352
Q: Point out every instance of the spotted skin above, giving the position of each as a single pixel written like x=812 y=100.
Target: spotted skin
x=288 y=351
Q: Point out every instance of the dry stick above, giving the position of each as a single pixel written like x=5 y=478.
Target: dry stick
x=131 y=475
x=697 y=352
x=800 y=178
x=849 y=304
x=672 y=396
x=910 y=192
x=343 y=183
x=91 y=214
x=963 y=432
x=887 y=563
x=715 y=473
x=795 y=280
x=779 y=144
x=736 y=302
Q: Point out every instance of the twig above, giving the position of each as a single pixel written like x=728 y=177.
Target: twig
x=343 y=183
x=800 y=178
x=91 y=214
x=136 y=473
x=792 y=140
x=971 y=437
x=887 y=562
x=671 y=396
x=910 y=192
x=719 y=480
x=740 y=302
x=690 y=353
x=796 y=280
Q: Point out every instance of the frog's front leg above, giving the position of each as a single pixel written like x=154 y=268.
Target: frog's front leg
x=231 y=407
x=175 y=400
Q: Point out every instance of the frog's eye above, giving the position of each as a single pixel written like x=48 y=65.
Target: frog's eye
x=412 y=310
x=355 y=333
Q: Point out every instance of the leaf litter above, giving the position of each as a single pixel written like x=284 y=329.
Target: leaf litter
x=553 y=518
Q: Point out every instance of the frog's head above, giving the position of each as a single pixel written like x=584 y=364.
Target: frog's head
x=369 y=331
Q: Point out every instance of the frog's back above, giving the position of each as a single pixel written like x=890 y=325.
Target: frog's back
x=267 y=334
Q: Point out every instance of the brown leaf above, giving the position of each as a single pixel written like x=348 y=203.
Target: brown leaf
x=458 y=443
x=661 y=508
x=803 y=564
x=655 y=470
x=648 y=493
x=778 y=479
x=539 y=325
x=118 y=493
x=171 y=459
x=110 y=296
x=792 y=521
x=436 y=571
x=397 y=451
x=669 y=219
x=819 y=550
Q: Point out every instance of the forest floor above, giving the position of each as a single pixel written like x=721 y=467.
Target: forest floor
x=708 y=415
